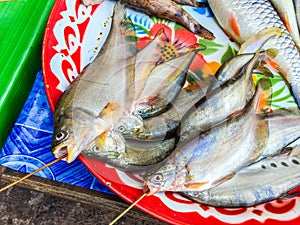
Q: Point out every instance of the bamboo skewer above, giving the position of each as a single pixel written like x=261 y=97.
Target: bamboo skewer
x=32 y=173
x=126 y=210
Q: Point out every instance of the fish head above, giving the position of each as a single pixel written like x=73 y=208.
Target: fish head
x=73 y=130
x=143 y=109
x=128 y=125
x=166 y=177
x=108 y=145
x=63 y=142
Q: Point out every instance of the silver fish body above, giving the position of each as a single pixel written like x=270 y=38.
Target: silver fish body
x=77 y=119
x=167 y=123
x=132 y=156
x=286 y=11
x=263 y=181
x=242 y=19
x=220 y=103
x=162 y=86
x=213 y=156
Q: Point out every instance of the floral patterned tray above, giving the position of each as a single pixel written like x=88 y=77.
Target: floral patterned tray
x=74 y=36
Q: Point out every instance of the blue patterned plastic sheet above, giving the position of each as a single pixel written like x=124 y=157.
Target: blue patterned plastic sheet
x=28 y=145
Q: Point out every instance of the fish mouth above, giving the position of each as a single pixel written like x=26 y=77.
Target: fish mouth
x=70 y=150
x=147 y=188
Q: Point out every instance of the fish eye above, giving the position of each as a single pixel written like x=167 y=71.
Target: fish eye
x=60 y=135
x=139 y=111
x=158 y=177
x=95 y=148
x=122 y=129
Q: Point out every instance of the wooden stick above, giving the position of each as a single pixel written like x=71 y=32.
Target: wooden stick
x=32 y=173
x=126 y=210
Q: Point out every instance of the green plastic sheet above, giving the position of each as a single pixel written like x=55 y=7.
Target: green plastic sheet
x=22 y=24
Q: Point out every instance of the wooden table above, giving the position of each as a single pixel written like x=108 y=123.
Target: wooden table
x=107 y=203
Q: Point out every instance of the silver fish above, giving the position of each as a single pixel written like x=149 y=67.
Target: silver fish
x=215 y=155
x=167 y=123
x=242 y=19
x=167 y=9
x=77 y=114
x=162 y=86
x=263 y=181
x=219 y=104
x=131 y=156
x=286 y=11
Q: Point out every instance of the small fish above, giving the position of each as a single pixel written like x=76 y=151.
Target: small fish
x=214 y=156
x=146 y=60
x=243 y=19
x=167 y=123
x=166 y=9
x=266 y=180
x=162 y=86
x=219 y=104
x=128 y=155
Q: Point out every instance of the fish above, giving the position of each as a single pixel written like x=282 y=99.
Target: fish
x=219 y=104
x=184 y=109
x=211 y=157
x=167 y=9
x=287 y=13
x=129 y=156
x=266 y=180
x=162 y=86
x=167 y=123
x=94 y=100
x=243 y=19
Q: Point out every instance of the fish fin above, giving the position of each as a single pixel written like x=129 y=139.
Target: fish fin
x=196 y=185
x=272 y=52
x=224 y=179
x=285 y=20
x=264 y=96
x=110 y=109
x=262 y=69
x=234 y=25
x=287 y=196
x=256 y=42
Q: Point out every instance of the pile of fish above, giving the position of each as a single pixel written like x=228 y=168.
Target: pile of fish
x=219 y=143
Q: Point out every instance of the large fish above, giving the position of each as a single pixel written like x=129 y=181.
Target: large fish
x=286 y=10
x=263 y=181
x=78 y=116
x=214 y=156
x=243 y=19
x=167 y=9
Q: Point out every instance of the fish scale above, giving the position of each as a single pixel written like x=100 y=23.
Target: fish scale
x=244 y=19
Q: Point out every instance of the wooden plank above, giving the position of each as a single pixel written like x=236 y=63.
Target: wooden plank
x=73 y=193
